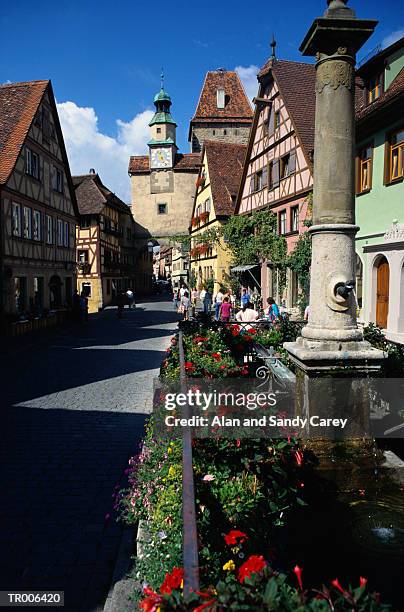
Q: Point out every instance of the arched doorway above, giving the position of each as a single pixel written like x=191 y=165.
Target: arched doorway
x=382 y=295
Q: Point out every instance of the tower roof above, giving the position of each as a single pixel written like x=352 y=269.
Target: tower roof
x=162 y=102
x=236 y=105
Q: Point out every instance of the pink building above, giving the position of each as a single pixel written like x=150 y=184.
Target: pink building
x=278 y=174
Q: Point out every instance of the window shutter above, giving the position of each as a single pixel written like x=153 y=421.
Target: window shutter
x=252 y=181
x=387 y=161
x=265 y=176
x=292 y=162
x=358 y=173
x=271 y=124
x=275 y=173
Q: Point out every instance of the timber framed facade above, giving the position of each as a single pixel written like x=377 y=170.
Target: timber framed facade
x=38 y=207
x=106 y=254
x=278 y=173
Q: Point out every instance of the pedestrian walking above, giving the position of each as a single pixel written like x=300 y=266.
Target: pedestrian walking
x=176 y=298
x=185 y=303
x=130 y=297
x=245 y=298
x=225 y=310
x=207 y=302
x=218 y=299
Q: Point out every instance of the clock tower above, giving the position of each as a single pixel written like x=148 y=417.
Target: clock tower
x=162 y=144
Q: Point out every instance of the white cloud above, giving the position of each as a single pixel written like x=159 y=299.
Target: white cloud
x=248 y=76
x=87 y=147
x=392 y=38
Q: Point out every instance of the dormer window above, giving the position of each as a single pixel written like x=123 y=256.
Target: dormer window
x=374 y=88
x=220 y=96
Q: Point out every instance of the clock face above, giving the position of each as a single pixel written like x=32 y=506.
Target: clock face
x=161 y=158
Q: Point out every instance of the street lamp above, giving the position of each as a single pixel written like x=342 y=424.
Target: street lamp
x=150 y=246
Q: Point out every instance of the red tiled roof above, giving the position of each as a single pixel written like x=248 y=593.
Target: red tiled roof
x=296 y=82
x=19 y=103
x=191 y=162
x=92 y=195
x=225 y=164
x=364 y=110
x=237 y=106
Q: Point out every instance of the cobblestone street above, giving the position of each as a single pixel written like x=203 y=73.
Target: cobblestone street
x=73 y=405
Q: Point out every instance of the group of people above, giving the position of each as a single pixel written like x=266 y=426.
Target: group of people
x=224 y=305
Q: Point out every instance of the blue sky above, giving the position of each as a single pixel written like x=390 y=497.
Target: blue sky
x=104 y=59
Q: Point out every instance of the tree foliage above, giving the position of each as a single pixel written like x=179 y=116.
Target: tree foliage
x=299 y=261
x=254 y=237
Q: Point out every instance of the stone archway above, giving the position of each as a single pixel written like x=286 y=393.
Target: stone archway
x=382 y=292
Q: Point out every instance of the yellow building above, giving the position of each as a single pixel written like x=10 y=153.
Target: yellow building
x=217 y=187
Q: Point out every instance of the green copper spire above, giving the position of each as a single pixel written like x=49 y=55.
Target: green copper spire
x=162 y=102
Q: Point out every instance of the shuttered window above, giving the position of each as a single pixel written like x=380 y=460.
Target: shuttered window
x=275 y=174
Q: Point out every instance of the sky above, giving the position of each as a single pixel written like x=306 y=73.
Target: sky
x=105 y=60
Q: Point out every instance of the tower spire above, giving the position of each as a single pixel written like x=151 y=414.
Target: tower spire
x=162 y=78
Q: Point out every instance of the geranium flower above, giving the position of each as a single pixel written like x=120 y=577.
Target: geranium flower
x=335 y=583
x=362 y=581
x=253 y=565
x=208 y=478
x=298 y=571
x=217 y=356
x=230 y=566
x=235 y=537
x=152 y=602
x=189 y=366
x=172 y=581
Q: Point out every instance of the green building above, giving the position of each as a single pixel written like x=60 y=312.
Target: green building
x=380 y=190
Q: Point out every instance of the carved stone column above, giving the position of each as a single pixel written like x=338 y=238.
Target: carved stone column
x=332 y=337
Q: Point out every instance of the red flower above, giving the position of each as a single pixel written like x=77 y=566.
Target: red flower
x=235 y=537
x=253 y=565
x=217 y=356
x=189 y=366
x=235 y=331
x=362 y=581
x=152 y=602
x=247 y=338
x=205 y=605
x=335 y=583
x=298 y=572
x=299 y=457
x=252 y=331
x=222 y=367
x=172 y=581
x=238 y=443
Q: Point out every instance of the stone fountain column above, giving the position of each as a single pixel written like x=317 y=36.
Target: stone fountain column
x=332 y=337
x=332 y=343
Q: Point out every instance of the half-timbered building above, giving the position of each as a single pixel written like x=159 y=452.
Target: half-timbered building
x=38 y=211
x=105 y=242
x=216 y=192
x=278 y=173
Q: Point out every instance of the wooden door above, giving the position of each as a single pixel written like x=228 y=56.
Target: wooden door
x=383 y=282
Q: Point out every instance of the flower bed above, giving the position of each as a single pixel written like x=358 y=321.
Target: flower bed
x=245 y=491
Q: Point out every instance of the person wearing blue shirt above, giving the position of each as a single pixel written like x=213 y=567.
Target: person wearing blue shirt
x=272 y=312
x=245 y=298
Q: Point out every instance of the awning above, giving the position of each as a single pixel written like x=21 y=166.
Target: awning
x=243 y=268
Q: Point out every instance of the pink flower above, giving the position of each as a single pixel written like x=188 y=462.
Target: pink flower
x=362 y=581
x=208 y=478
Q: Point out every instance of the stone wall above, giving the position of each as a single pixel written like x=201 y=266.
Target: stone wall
x=179 y=202
x=234 y=133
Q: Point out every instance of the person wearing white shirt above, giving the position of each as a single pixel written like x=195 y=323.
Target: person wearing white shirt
x=218 y=299
x=247 y=314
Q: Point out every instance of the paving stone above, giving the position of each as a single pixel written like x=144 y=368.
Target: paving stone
x=73 y=407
